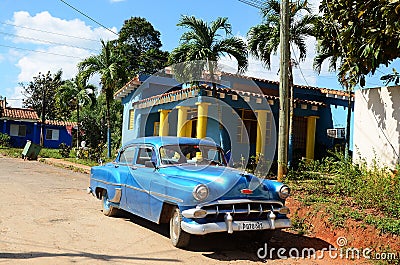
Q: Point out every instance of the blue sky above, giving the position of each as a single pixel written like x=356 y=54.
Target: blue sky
x=42 y=35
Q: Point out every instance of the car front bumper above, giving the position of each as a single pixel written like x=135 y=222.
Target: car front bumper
x=230 y=226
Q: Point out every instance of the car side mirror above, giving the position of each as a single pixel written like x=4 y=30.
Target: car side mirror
x=150 y=164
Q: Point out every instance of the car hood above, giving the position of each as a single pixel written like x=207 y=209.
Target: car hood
x=223 y=182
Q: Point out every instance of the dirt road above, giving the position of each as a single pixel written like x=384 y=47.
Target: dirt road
x=48 y=218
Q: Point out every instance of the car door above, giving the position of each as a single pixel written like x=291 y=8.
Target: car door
x=138 y=185
x=123 y=167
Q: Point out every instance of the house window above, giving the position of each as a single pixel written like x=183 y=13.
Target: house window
x=52 y=134
x=17 y=130
x=247 y=123
x=247 y=126
x=131 y=119
x=156 y=128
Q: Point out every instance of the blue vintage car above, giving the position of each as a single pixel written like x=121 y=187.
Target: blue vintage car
x=187 y=182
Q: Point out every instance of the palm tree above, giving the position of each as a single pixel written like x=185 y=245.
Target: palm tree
x=79 y=93
x=203 y=42
x=264 y=40
x=106 y=64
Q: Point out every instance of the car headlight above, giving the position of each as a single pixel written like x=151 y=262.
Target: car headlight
x=284 y=192
x=200 y=192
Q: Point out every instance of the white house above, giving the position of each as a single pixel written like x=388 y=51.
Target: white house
x=377 y=126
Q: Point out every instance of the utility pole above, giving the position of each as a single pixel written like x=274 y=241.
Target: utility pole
x=283 y=91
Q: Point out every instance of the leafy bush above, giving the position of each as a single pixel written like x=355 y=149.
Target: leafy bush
x=5 y=140
x=360 y=185
x=64 y=150
x=94 y=154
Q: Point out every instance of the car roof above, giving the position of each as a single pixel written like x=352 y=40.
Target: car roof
x=159 y=141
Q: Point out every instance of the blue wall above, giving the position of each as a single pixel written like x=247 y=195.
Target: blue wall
x=33 y=134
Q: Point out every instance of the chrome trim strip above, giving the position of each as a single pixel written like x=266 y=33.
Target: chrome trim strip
x=117 y=196
x=202 y=229
x=107 y=183
x=136 y=188
x=165 y=196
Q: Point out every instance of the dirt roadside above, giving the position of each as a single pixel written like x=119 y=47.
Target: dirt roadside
x=47 y=218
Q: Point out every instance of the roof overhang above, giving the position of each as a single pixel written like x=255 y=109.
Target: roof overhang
x=127 y=89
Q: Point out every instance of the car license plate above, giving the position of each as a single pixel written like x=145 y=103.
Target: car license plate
x=247 y=225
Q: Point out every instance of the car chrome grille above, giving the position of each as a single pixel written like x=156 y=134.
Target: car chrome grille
x=241 y=211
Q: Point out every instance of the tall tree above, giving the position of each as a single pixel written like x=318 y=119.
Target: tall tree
x=140 y=46
x=107 y=65
x=355 y=42
x=41 y=96
x=203 y=41
x=76 y=93
x=264 y=40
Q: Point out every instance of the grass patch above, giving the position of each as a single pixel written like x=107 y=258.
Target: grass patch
x=52 y=153
x=345 y=190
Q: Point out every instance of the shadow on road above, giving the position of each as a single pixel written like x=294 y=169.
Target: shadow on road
x=33 y=255
x=226 y=247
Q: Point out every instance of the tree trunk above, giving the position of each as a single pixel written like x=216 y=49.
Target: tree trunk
x=77 y=127
x=348 y=124
x=283 y=91
x=108 y=126
x=43 y=118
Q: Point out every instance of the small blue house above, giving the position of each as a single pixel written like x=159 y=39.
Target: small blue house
x=23 y=124
x=239 y=113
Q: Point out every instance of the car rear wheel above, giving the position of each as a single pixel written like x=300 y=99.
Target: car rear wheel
x=179 y=238
x=108 y=209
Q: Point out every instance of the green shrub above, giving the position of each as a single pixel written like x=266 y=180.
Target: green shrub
x=5 y=140
x=64 y=150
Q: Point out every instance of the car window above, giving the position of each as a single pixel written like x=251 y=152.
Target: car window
x=146 y=154
x=191 y=154
x=127 y=155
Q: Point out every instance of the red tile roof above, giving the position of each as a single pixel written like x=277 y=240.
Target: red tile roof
x=29 y=115
x=20 y=114
x=323 y=90
x=61 y=123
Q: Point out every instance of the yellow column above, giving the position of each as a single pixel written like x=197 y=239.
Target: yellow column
x=182 y=121
x=202 y=112
x=188 y=128
x=164 y=125
x=261 y=131
x=310 y=141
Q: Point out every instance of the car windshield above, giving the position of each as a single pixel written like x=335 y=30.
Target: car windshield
x=192 y=154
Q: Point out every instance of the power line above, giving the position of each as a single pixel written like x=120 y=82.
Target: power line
x=254 y=3
x=298 y=64
x=98 y=23
x=49 y=32
x=18 y=48
x=45 y=41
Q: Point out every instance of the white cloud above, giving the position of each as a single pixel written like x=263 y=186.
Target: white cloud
x=64 y=44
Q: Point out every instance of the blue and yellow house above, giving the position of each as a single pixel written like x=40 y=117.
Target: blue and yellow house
x=239 y=112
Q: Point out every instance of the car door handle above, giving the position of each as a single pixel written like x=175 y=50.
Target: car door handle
x=133 y=168
x=116 y=166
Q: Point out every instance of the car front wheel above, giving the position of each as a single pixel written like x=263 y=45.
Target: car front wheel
x=179 y=238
